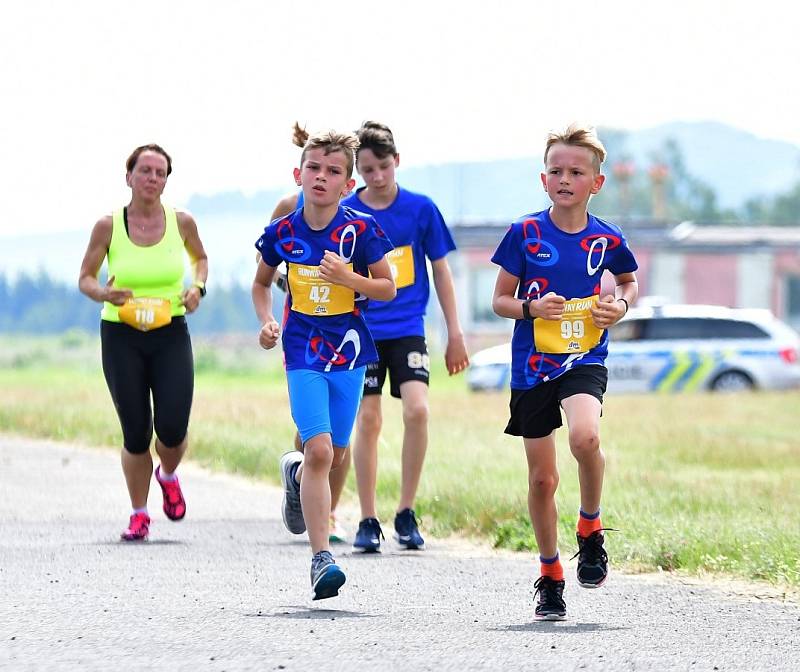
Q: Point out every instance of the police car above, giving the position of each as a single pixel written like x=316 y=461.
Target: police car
x=680 y=348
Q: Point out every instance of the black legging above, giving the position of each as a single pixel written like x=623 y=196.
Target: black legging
x=136 y=363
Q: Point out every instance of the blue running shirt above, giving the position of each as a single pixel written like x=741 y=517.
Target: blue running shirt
x=417 y=230
x=324 y=328
x=547 y=259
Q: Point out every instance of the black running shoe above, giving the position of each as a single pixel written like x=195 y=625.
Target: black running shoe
x=592 y=560
x=551 y=606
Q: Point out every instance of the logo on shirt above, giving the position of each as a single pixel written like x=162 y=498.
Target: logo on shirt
x=545 y=255
x=596 y=246
x=293 y=249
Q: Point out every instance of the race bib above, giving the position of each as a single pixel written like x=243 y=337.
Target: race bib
x=401 y=261
x=146 y=313
x=573 y=333
x=311 y=295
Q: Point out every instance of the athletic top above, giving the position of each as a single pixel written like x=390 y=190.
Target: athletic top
x=324 y=328
x=547 y=259
x=153 y=271
x=417 y=230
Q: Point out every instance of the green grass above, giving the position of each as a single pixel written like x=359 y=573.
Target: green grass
x=695 y=483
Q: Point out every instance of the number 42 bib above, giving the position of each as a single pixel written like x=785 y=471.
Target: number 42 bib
x=311 y=295
x=573 y=333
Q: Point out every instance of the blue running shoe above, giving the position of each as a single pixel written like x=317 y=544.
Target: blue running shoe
x=292 y=509
x=326 y=576
x=407 y=532
x=369 y=535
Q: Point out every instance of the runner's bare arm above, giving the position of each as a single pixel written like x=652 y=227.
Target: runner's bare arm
x=262 y=302
x=96 y=251
x=455 y=357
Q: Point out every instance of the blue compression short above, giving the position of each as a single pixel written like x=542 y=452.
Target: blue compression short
x=325 y=403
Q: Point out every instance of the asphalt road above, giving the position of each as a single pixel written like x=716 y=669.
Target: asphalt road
x=228 y=589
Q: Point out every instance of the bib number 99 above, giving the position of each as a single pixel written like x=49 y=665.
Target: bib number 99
x=572 y=329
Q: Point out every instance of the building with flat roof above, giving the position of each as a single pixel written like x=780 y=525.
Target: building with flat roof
x=735 y=266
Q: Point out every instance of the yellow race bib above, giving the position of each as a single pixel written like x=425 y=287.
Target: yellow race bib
x=311 y=295
x=573 y=333
x=401 y=261
x=146 y=313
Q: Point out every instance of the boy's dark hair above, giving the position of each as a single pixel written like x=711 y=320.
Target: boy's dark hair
x=378 y=138
x=130 y=164
x=578 y=135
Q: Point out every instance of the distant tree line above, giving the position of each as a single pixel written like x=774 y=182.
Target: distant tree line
x=38 y=304
x=782 y=210
x=666 y=191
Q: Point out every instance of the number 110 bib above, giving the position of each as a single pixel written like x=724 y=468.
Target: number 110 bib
x=573 y=333
x=311 y=295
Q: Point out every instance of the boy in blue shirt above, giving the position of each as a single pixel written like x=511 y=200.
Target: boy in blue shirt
x=417 y=230
x=336 y=263
x=551 y=263
x=338 y=476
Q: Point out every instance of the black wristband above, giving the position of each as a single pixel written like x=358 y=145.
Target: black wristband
x=202 y=287
x=526 y=311
x=625 y=301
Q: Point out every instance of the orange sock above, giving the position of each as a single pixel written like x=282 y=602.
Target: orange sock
x=588 y=523
x=551 y=567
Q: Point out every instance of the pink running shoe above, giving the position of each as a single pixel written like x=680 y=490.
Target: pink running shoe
x=174 y=503
x=138 y=528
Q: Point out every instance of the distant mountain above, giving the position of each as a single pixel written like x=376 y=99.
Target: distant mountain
x=737 y=165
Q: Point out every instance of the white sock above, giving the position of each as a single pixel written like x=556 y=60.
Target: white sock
x=144 y=511
x=164 y=476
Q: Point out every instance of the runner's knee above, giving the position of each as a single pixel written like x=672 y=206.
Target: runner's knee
x=370 y=421
x=543 y=483
x=584 y=443
x=318 y=452
x=137 y=442
x=416 y=413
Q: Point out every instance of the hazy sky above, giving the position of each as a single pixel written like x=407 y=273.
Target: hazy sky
x=219 y=84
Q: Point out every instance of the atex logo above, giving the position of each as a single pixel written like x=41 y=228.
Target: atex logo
x=297 y=251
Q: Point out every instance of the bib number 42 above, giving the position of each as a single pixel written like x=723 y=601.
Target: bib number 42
x=320 y=294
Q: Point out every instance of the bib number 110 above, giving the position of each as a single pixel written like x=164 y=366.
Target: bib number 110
x=145 y=315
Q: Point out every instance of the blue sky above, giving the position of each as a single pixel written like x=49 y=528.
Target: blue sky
x=219 y=84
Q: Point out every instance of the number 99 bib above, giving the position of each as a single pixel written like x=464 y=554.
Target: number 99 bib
x=311 y=295
x=573 y=333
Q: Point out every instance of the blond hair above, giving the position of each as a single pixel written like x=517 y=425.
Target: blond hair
x=330 y=141
x=578 y=135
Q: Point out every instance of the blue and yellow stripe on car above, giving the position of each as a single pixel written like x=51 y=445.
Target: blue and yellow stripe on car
x=687 y=371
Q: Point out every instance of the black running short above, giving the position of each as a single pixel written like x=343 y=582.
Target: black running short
x=405 y=359
x=536 y=412
x=139 y=364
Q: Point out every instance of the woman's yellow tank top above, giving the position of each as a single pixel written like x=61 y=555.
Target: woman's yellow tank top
x=155 y=271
